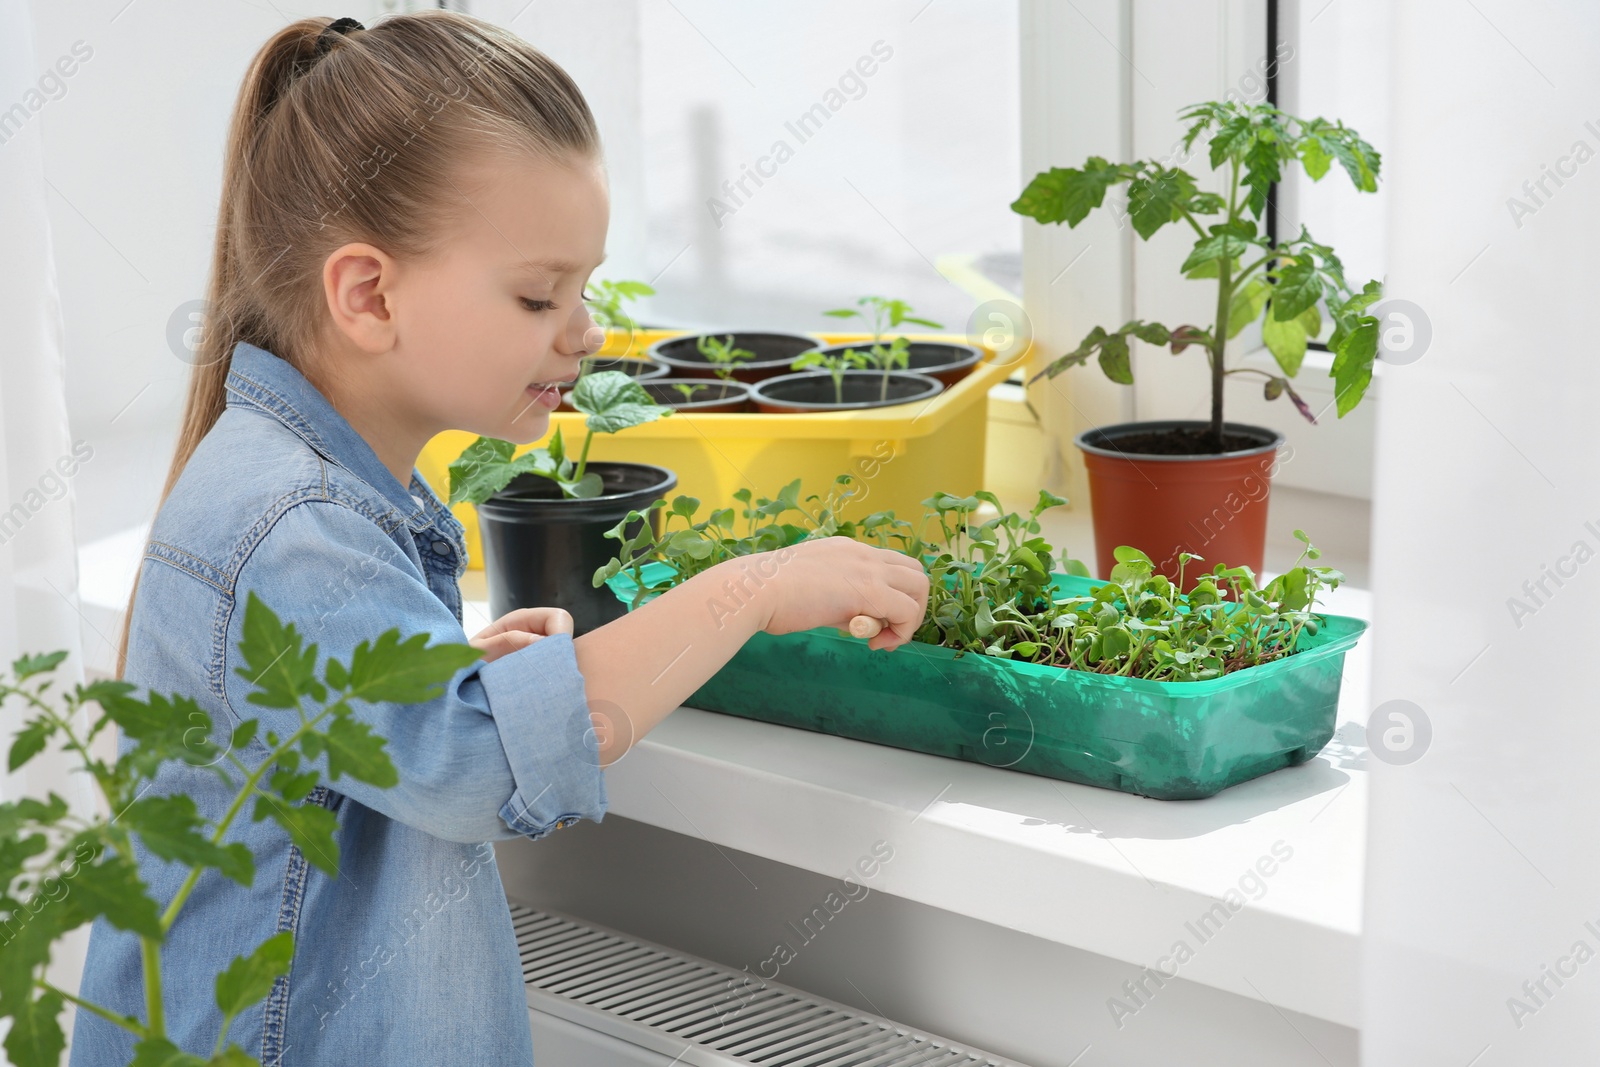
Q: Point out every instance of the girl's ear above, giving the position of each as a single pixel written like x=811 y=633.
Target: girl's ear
x=357 y=282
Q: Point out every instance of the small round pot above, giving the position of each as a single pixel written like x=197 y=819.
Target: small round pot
x=773 y=354
x=938 y=359
x=641 y=370
x=1211 y=504
x=709 y=398
x=541 y=549
x=813 y=391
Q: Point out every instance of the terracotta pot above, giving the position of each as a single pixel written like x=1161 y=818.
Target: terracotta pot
x=943 y=360
x=773 y=353
x=1212 y=505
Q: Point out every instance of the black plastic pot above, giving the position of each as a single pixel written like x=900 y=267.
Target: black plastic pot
x=541 y=549
x=708 y=398
x=773 y=353
x=814 y=391
x=943 y=360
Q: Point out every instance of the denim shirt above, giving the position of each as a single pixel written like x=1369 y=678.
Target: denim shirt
x=408 y=957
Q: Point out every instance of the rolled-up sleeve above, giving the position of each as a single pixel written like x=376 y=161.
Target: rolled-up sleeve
x=508 y=749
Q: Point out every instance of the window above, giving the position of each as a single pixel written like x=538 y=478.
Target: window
x=769 y=162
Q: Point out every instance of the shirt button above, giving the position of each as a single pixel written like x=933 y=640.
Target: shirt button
x=417 y=498
x=441 y=548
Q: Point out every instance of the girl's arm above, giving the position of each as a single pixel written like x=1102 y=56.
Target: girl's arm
x=639 y=668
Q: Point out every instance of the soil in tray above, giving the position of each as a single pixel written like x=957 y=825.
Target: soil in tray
x=1178 y=443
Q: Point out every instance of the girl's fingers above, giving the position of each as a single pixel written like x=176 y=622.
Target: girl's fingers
x=541 y=621
x=503 y=644
x=902 y=614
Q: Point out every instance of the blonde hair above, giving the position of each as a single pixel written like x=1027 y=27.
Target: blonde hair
x=349 y=137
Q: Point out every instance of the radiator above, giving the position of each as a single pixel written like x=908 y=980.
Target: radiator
x=602 y=998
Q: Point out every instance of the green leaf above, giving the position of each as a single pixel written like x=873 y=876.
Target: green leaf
x=1314 y=159
x=159 y=1052
x=355 y=750
x=585 y=488
x=1352 y=364
x=1066 y=194
x=249 y=978
x=171 y=827
x=311 y=827
x=1153 y=201
x=27 y=666
x=482 y=470
x=36 y=1039
x=1246 y=304
x=614 y=401
x=1262 y=169
x=1216 y=247
x=1286 y=341
x=113 y=888
x=281 y=671
x=1311 y=322
x=1299 y=287
x=1114 y=359
x=1152 y=333
x=30 y=741
x=405 y=672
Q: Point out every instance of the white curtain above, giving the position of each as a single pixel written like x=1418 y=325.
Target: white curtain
x=38 y=560
x=1482 y=929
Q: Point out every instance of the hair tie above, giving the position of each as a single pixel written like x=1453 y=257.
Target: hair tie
x=336 y=28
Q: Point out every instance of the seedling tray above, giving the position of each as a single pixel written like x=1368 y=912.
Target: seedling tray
x=1168 y=740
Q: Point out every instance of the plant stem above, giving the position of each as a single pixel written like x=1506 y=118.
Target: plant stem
x=1219 y=344
x=128 y=1024
x=150 y=951
x=583 y=457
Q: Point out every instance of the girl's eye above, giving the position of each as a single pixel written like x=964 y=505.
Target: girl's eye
x=537 y=305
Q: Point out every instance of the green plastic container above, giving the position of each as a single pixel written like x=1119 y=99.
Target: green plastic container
x=1168 y=740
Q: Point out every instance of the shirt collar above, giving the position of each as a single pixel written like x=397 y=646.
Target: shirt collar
x=259 y=379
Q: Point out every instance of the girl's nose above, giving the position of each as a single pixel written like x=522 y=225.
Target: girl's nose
x=593 y=338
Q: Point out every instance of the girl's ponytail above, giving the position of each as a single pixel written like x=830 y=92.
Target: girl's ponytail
x=354 y=136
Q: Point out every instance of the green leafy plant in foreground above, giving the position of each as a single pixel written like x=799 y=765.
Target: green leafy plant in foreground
x=886 y=314
x=1280 y=283
x=992 y=590
x=60 y=871
x=722 y=355
x=610 y=401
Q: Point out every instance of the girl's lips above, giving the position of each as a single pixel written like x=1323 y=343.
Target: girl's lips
x=547 y=396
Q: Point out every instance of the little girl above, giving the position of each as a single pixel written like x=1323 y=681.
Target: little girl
x=409 y=216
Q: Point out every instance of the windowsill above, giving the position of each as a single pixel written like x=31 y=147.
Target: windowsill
x=1098 y=870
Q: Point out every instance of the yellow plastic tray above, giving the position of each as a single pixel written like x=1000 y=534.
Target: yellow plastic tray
x=899 y=455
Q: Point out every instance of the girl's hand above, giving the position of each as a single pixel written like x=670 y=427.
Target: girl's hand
x=829 y=581
x=519 y=629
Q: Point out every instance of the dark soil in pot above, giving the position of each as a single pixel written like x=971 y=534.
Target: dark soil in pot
x=541 y=550
x=706 y=397
x=814 y=391
x=1149 y=487
x=943 y=360
x=773 y=354
x=640 y=369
